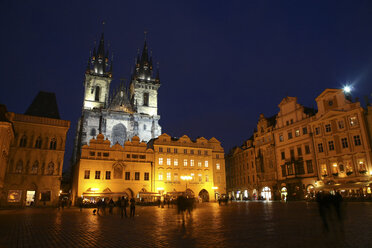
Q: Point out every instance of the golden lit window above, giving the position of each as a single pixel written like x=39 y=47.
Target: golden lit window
x=160 y=161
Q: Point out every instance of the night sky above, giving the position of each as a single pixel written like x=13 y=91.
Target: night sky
x=222 y=63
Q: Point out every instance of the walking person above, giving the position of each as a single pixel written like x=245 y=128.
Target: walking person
x=111 y=206
x=123 y=207
x=132 y=207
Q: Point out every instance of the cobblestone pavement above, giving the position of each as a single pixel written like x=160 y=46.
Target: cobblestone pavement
x=239 y=224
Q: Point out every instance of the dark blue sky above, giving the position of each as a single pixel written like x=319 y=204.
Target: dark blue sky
x=222 y=63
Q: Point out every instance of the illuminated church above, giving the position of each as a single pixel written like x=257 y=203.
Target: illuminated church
x=124 y=112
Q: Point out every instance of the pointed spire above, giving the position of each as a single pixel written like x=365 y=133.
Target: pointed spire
x=157 y=79
x=101 y=47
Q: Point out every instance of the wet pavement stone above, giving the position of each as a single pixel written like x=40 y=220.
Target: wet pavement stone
x=239 y=224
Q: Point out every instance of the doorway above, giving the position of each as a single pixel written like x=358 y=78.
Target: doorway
x=30 y=198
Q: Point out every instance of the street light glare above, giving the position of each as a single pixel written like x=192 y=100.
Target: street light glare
x=347 y=89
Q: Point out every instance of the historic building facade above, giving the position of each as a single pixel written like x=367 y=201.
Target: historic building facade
x=265 y=157
x=7 y=136
x=241 y=174
x=122 y=113
x=342 y=143
x=34 y=168
x=113 y=171
x=294 y=150
x=327 y=149
x=145 y=171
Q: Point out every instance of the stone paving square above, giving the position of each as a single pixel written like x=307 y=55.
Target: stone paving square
x=239 y=224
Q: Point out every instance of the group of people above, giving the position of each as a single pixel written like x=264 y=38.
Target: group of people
x=122 y=204
x=330 y=209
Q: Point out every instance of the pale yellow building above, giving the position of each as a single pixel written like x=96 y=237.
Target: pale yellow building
x=196 y=166
x=342 y=144
x=106 y=171
x=294 y=149
x=34 y=170
x=147 y=170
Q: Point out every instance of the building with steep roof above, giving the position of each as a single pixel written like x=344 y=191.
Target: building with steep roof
x=34 y=164
x=124 y=112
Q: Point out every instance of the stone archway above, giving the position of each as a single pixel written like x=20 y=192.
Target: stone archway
x=129 y=192
x=204 y=195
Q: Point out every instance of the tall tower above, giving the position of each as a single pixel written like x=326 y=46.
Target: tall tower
x=144 y=87
x=98 y=77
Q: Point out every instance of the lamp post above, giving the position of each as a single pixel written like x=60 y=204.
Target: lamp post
x=215 y=189
x=186 y=178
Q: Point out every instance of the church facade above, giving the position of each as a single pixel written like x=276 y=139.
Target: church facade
x=124 y=112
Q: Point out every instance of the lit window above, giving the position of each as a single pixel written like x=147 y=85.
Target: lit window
x=353 y=121
x=206 y=163
x=297 y=132
x=191 y=162
x=161 y=176
x=168 y=161
x=218 y=166
x=185 y=162
x=175 y=162
x=169 y=176
x=160 y=161
x=199 y=164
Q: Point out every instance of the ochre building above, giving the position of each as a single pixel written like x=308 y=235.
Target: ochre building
x=324 y=149
x=34 y=168
x=164 y=167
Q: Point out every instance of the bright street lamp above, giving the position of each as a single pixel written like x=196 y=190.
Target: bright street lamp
x=186 y=178
x=347 y=89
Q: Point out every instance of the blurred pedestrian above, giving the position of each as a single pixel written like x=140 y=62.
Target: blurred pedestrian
x=123 y=207
x=132 y=207
x=111 y=205
x=323 y=200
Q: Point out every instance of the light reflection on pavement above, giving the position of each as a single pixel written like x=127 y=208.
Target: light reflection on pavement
x=239 y=224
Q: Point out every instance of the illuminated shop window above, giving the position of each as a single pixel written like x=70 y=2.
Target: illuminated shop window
x=191 y=162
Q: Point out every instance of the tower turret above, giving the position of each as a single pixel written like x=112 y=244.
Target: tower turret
x=144 y=87
x=98 y=77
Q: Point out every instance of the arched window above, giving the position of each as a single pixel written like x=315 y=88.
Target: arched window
x=93 y=132
x=96 y=97
x=145 y=99
x=38 y=142
x=53 y=144
x=19 y=167
x=50 y=168
x=35 y=167
x=23 y=141
x=119 y=134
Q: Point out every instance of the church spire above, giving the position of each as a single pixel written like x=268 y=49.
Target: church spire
x=99 y=60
